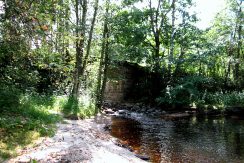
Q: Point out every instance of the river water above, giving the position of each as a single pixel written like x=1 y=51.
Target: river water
x=191 y=139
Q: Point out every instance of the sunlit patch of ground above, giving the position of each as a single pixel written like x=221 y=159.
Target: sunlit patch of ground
x=78 y=141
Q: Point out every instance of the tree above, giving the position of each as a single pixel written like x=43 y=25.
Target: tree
x=80 y=43
x=238 y=29
x=85 y=60
x=103 y=65
x=172 y=35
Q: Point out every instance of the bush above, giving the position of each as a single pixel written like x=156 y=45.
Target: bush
x=9 y=98
x=222 y=99
x=180 y=95
x=233 y=99
x=200 y=91
x=186 y=91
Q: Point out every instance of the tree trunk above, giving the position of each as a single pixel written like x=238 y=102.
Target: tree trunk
x=106 y=62
x=227 y=71
x=200 y=62
x=239 y=44
x=156 y=33
x=171 y=54
x=90 y=38
x=157 y=49
x=79 y=47
x=103 y=62
x=179 y=62
x=182 y=48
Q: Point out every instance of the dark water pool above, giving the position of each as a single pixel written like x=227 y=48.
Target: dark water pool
x=190 y=139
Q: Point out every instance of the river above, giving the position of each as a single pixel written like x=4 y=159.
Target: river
x=189 y=139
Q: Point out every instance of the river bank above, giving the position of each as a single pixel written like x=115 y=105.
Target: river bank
x=154 y=111
x=77 y=141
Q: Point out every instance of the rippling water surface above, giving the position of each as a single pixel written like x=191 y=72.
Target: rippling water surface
x=189 y=139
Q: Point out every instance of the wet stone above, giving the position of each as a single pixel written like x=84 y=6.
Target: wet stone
x=109 y=111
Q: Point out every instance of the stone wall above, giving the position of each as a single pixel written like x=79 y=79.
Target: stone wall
x=120 y=80
x=128 y=82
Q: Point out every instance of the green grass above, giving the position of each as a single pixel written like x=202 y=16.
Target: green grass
x=21 y=124
x=82 y=108
x=27 y=117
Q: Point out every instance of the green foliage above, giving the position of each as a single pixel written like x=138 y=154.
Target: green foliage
x=83 y=108
x=38 y=43
x=233 y=99
x=129 y=2
x=179 y=95
x=185 y=91
x=15 y=65
x=201 y=93
x=224 y=99
x=9 y=98
x=130 y=32
x=71 y=107
x=26 y=121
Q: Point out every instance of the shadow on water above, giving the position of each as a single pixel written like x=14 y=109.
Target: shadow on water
x=128 y=131
x=192 y=139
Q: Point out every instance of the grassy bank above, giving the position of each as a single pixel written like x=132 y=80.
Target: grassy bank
x=25 y=118
x=32 y=117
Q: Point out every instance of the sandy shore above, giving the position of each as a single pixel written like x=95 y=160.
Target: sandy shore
x=77 y=141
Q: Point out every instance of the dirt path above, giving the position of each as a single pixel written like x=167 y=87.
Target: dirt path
x=77 y=141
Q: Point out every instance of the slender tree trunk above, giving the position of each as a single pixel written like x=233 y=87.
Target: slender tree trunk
x=182 y=49
x=237 y=65
x=157 y=50
x=106 y=62
x=65 y=48
x=79 y=47
x=179 y=62
x=90 y=38
x=103 y=62
x=227 y=74
x=227 y=71
x=239 y=44
x=57 y=37
x=156 y=33
x=61 y=28
x=171 y=54
x=200 y=62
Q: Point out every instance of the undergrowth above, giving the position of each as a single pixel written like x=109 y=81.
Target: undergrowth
x=201 y=92
x=32 y=117
x=25 y=118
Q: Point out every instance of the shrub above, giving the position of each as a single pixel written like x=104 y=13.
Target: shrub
x=222 y=99
x=9 y=98
x=185 y=91
x=233 y=99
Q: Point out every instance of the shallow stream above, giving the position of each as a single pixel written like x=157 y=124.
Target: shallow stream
x=191 y=139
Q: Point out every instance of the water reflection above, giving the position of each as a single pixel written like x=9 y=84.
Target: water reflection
x=190 y=139
x=128 y=131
